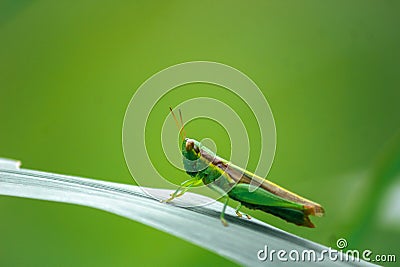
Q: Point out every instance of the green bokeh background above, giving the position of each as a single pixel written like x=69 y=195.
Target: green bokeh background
x=329 y=69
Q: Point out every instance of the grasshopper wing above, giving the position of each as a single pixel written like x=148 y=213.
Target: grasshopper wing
x=242 y=176
x=261 y=199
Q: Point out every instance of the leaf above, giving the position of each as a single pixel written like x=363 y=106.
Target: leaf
x=239 y=242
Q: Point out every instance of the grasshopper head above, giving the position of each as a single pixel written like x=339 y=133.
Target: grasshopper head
x=191 y=156
x=190 y=149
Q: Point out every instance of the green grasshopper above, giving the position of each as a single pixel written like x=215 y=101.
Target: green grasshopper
x=239 y=184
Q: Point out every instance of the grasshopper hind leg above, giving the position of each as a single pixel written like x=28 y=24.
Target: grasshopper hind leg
x=240 y=214
x=238 y=210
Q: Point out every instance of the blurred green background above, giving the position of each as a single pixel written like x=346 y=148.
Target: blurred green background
x=329 y=69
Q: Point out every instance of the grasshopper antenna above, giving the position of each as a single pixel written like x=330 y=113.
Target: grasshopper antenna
x=183 y=126
x=177 y=124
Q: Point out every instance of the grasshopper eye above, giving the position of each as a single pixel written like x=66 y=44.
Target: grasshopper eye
x=189 y=145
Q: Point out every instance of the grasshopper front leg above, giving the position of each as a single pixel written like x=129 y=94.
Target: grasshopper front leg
x=226 y=198
x=222 y=216
x=183 y=188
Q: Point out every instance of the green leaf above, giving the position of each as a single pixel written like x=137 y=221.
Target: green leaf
x=239 y=242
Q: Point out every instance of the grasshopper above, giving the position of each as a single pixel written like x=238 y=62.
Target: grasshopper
x=238 y=184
